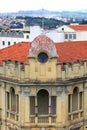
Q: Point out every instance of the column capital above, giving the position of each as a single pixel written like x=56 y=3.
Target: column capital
x=19 y=90
x=26 y=91
x=3 y=85
x=85 y=85
x=66 y=90
x=59 y=90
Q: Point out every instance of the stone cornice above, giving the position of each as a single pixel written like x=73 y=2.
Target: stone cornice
x=58 y=82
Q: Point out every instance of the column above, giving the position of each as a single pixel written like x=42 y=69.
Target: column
x=65 y=104
x=59 y=106
x=85 y=101
x=36 y=110
x=21 y=106
x=3 y=113
x=27 y=110
x=78 y=104
x=49 y=109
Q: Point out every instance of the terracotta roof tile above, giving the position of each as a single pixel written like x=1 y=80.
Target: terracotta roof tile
x=18 y=52
x=67 y=51
x=72 y=51
x=79 y=27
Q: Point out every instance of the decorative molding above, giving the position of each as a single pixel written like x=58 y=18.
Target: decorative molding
x=59 y=90
x=42 y=43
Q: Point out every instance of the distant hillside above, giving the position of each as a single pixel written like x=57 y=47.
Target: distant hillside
x=48 y=22
x=42 y=22
x=51 y=14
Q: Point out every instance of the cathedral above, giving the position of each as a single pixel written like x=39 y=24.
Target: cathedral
x=43 y=85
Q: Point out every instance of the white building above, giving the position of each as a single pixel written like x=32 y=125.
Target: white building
x=28 y=33
x=11 y=37
x=56 y=36
x=74 y=32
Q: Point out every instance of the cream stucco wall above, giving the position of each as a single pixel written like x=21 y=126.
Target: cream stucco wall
x=34 y=77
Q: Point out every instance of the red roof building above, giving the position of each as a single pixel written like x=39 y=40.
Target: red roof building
x=43 y=85
x=74 y=32
x=66 y=51
x=78 y=27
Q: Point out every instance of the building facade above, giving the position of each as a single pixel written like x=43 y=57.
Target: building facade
x=74 y=32
x=43 y=86
x=27 y=34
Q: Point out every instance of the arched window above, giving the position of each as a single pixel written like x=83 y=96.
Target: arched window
x=9 y=34
x=75 y=99
x=21 y=35
x=13 y=99
x=12 y=104
x=3 y=33
x=14 y=34
x=43 y=102
x=75 y=104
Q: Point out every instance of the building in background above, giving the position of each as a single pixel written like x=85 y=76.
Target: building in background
x=74 y=32
x=28 y=33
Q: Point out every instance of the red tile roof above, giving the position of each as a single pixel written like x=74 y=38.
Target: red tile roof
x=67 y=51
x=79 y=27
x=72 y=51
x=17 y=52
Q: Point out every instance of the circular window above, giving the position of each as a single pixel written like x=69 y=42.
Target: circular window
x=43 y=57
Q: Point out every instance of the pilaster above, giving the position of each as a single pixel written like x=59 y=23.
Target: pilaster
x=59 y=106
x=3 y=111
x=27 y=104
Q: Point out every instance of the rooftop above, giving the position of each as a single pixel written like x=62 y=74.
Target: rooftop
x=66 y=51
x=79 y=27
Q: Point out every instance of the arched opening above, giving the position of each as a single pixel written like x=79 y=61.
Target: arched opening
x=75 y=99
x=13 y=99
x=3 y=33
x=14 y=34
x=9 y=34
x=43 y=102
x=75 y=104
x=20 y=35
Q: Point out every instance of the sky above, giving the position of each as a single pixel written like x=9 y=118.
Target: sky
x=54 y=5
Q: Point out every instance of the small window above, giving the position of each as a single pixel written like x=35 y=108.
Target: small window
x=14 y=34
x=70 y=36
x=3 y=33
x=21 y=35
x=14 y=43
x=9 y=34
x=3 y=42
x=27 y=36
x=22 y=67
x=8 y=42
x=66 y=36
x=43 y=57
x=62 y=29
x=74 y=36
